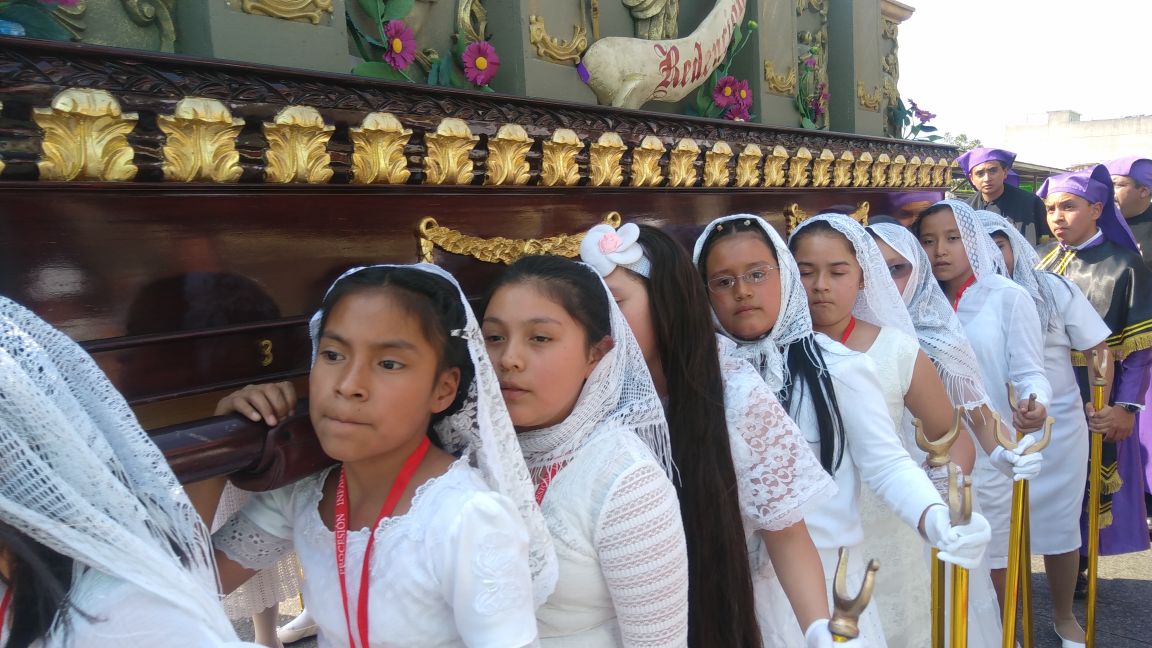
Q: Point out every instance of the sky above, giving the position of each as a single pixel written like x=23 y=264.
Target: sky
x=981 y=64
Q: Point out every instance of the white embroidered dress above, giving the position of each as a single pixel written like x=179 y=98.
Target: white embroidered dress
x=452 y=571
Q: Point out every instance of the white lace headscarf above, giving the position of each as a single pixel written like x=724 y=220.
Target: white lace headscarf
x=619 y=394
x=1024 y=262
x=941 y=335
x=793 y=324
x=483 y=430
x=878 y=302
x=983 y=255
x=79 y=476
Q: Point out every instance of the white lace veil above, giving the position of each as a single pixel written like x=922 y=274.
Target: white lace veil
x=483 y=430
x=793 y=324
x=1024 y=263
x=79 y=476
x=878 y=302
x=619 y=394
x=939 y=331
x=983 y=254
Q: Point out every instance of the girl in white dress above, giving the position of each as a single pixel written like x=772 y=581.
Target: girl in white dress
x=99 y=546
x=745 y=474
x=404 y=543
x=759 y=302
x=1004 y=330
x=1070 y=323
x=593 y=434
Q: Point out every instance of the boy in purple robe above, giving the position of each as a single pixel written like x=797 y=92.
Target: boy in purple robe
x=1096 y=251
x=987 y=169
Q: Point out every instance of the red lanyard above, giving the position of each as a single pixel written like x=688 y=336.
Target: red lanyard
x=341 y=533
x=848 y=331
x=960 y=293
x=546 y=481
x=4 y=609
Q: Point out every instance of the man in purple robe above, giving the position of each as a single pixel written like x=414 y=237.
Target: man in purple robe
x=988 y=170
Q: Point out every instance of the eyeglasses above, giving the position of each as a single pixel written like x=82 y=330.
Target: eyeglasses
x=754 y=276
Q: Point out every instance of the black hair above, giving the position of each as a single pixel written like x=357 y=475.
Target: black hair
x=576 y=287
x=934 y=209
x=817 y=227
x=805 y=360
x=40 y=580
x=721 y=606
x=433 y=301
x=881 y=218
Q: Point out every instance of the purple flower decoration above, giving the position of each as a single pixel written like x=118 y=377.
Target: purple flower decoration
x=810 y=62
x=481 y=63
x=738 y=112
x=743 y=95
x=725 y=94
x=401 y=44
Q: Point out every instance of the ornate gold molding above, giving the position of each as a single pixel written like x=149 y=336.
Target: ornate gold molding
x=716 y=173
x=774 y=167
x=84 y=137
x=646 y=162
x=896 y=172
x=880 y=170
x=748 y=166
x=822 y=169
x=297 y=146
x=942 y=174
x=448 y=160
x=912 y=172
x=889 y=91
x=553 y=49
x=926 y=168
x=798 y=167
x=782 y=84
x=378 y=150
x=560 y=167
x=891 y=29
x=682 y=163
x=842 y=170
x=793 y=216
x=200 y=142
x=497 y=249
x=302 y=10
x=508 y=156
x=604 y=157
x=862 y=169
x=868 y=101
x=861 y=213
x=472 y=20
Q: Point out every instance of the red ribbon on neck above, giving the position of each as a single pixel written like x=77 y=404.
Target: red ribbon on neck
x=546 y=481
x=341 y=533
x=960 y=293
x=4 y=609
x=848 y=330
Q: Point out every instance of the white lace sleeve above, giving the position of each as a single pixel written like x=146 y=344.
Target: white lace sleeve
x=484 y=571
x=639 y=538
x=261 y=532
x=778 y=476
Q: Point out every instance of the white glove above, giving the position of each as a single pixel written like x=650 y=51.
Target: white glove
x=819 y=636
x=939 y=477
x=962 y=545
x=1016 y=465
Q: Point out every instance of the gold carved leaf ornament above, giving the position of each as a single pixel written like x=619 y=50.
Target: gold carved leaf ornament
x=604 y=157
x=783 y=84
x=646 y=162
x=559 y=168
x=868 y=101
x=774 y=167
x=84 y=137
x=716 y=173
x=378 y=150
x=200 y=142
x=862 y=170
x=508 y=156
x=432 y=235
x=298 y=146
x=798 y=168
x=682 y=163
x=449 y=151
x=553 y=49
x=822 y=169
x=748 y=166
x=302 y=10
x=842 y=170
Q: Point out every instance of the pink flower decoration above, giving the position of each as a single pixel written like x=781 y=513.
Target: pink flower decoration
x=737 y=113
x=725 y=92
x=609 y=242
x=481 y=63
x=743 y=95
x=401 y=44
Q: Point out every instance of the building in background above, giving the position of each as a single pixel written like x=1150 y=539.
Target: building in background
x=1061 y=139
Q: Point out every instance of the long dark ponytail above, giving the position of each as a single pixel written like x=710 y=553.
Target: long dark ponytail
x=720 y=599
x=40 y=580
x=805 y=360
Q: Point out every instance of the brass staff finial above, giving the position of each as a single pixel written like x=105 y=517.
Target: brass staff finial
x=1098 y=366
x=959 y=496
x=1010 y=444
x=845 y=622
x=938 y=450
